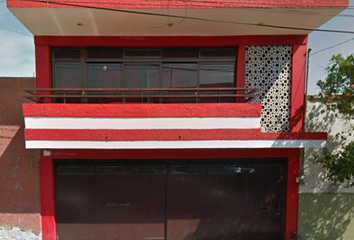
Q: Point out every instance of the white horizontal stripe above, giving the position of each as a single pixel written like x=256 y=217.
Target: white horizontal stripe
x=34 y=144
x=142 y=123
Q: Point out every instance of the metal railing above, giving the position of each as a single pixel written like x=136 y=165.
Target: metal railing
x=65 y=95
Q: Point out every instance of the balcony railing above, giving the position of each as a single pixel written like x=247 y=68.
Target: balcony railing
x=143 y=95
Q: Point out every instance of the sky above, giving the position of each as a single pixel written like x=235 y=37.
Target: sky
x=17 y=48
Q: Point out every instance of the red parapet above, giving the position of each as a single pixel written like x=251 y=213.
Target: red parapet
x=143 y=110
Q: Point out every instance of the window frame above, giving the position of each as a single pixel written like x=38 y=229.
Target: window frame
x=200 y=60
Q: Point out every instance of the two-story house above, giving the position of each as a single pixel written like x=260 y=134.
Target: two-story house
x=170 y=119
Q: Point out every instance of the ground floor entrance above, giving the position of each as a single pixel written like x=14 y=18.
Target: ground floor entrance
x=172 y=199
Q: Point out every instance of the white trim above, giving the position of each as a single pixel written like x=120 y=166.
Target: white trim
x=34 y=144
x=142 y=123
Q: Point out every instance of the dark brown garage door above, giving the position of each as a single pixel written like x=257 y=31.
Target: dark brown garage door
x=174 y=200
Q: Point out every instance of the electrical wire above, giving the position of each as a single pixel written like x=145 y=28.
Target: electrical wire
x=333 y=46
x=10 y=30
x=195 y=18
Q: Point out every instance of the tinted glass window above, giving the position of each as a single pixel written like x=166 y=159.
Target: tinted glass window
x=67 y=53
x=142 y=53
x=105 y=53
x=187 y=169
x=151 y=170
x=145 y=68
x=179 y=75
x=225 y=169
x=180 y=52
x=67 y=75
x=217 y=75
x=265 y=169
x=142 y=76
x=218 y=52
x=75 y=170
x=104 y=75
x=114 y=170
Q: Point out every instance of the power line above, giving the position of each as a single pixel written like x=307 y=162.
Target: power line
x=10 y=30
x=195 y=18
x=333 y=46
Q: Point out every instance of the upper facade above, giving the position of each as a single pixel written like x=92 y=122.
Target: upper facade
x=103 y=57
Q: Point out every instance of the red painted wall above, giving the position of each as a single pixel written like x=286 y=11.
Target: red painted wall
x=198 y=4
x=168 y=41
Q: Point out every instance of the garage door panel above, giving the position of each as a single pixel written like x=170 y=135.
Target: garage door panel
x=266 y=202
x=209 y=208
x=75 y=195
x=123 y=204
x=174 y=200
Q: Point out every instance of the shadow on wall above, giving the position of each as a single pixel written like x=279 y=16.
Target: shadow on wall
x=326 y=122
x=326 y=209
x=326 y=216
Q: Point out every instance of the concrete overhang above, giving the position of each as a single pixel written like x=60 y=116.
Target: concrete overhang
x=150 y=18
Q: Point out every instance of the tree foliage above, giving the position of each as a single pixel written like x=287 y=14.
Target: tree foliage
x=337 y=93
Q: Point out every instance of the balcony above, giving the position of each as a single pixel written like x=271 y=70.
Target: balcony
x=140 y=95
x=186 y=118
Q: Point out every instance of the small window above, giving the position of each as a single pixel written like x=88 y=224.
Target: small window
x=225 y=169
x=67 y=53
x=180 y=52
x=188 y=169
x=266 y=169
x=104 y=53
x=114 y=170
x=75 y=170
x=151 y=170
x=142 y=53
x=218 y=52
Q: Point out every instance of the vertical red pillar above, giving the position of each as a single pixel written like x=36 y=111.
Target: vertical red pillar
x=43 y=80
x=46 y=178
x=43 y=69
x=297 y=110
x=292 y=192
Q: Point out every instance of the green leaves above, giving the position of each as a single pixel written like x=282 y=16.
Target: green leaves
x=339 y=165
x=337 y=93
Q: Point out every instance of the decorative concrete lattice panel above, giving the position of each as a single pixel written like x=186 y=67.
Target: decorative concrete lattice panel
x=269 y=69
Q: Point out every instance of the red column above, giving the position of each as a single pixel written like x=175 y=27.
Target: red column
x=292 y=192
x=46 y=178
x=297 y=110
x=43 y=69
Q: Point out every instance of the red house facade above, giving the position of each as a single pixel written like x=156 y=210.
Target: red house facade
x=170 y=120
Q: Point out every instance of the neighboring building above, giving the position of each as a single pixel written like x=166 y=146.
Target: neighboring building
x=154 y=126
x=19 y=173
x=326 y=209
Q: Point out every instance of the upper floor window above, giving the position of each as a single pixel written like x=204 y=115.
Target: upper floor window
x=150 y=68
